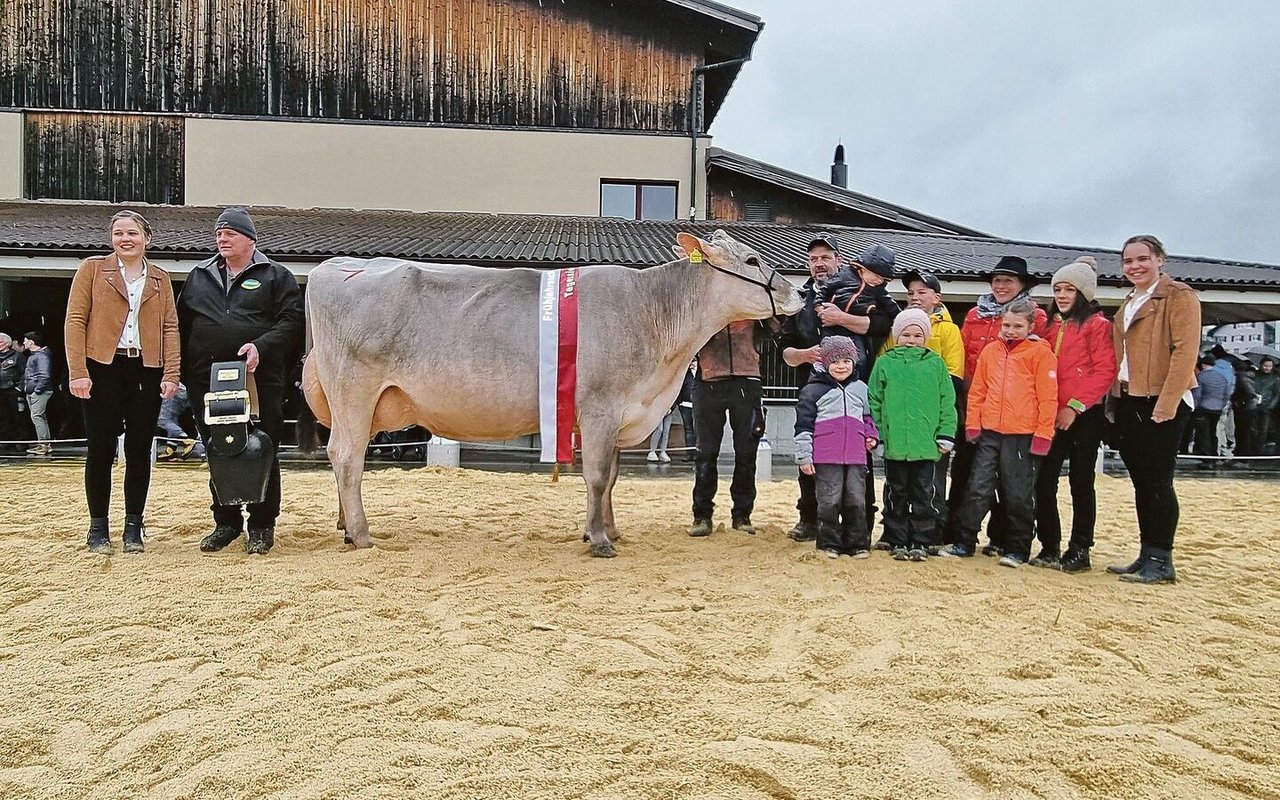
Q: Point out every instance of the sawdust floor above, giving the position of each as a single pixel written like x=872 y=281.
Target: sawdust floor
x=478 y=652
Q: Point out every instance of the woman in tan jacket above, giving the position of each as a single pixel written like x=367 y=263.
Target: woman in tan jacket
x=122 y=359
x=1156 y=333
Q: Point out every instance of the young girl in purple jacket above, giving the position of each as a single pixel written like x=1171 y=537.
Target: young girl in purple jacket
x=834 y=432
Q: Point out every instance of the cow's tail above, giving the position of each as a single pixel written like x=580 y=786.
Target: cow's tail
x=314 y=410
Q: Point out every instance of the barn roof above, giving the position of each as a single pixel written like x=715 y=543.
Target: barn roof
x=80 y=228
x=720 y=158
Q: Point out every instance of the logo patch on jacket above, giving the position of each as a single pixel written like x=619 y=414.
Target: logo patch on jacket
x=251 y=284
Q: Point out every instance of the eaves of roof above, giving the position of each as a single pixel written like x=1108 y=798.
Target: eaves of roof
x=722 y=13
x=821 y=190
x=546 y=241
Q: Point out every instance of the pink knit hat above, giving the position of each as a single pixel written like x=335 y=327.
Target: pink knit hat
x=912 y=316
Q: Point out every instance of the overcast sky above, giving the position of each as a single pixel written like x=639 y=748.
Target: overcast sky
x=1074 y=122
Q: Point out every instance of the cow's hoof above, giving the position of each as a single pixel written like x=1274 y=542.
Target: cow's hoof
x=347 y=540
x=603 y=549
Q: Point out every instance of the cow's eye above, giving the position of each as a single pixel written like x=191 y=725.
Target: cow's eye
x=753 y=261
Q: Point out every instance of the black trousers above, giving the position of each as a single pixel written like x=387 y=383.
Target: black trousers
x=690 y=430
x=270 y=422
x=910 y=513
x=1246 y=440
x=1001 y=461
x=10 y=421
x=124 y=398
x=1079 y=445
x=1149 y=451
x=739 y=399
x=842 y=513
x=1204 y=432
x=807 y=505
x=961 y=467
x=943 y=511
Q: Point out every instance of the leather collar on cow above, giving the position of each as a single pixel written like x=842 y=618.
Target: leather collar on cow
x=768 y=287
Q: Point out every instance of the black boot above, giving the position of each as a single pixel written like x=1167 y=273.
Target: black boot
x=1076 y=561
x=1129 y=569
x=99 y=537
x=1158 y=568
x=828 y=538
x=222 y=536
x=260 y=541
x=133 y=533
x=701 y=527
x=806 y=530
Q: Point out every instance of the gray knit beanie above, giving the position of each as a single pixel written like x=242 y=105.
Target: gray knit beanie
x=835 y=348
x=1082 y=274
x=238 y=220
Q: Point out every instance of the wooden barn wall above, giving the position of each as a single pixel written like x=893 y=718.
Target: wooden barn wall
x=116 y=157
x=488 y=62
x=730 y=192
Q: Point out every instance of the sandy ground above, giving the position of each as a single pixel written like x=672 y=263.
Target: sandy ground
x=478 y=652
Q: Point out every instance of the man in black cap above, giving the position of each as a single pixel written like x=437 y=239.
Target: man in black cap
x=862 y=310
x=242 y=305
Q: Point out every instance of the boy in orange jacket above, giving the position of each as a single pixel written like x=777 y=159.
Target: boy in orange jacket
x=1013 y=401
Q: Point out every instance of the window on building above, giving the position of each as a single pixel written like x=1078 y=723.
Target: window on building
x=638 y=199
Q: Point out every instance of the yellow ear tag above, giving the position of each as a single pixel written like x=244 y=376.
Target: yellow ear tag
x=696 y=256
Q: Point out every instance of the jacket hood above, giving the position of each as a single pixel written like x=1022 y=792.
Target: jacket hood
x=940 y=314
x=908 y=354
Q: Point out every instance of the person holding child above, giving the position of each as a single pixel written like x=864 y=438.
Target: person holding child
x=913 y=403
x=1081 y=339
x=834 y=435
x=1010 y=414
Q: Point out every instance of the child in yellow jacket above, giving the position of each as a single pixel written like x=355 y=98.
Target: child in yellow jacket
x=1012 y=404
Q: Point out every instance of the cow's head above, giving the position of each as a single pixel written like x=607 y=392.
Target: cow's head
x=775 y=294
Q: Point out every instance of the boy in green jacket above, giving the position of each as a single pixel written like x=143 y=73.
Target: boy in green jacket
x=913 y=402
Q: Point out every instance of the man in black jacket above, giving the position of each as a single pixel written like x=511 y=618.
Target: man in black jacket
x=242 y=305
x=868 y=319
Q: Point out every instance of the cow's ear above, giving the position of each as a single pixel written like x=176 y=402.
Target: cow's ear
x=679 y=251
x=687 y=244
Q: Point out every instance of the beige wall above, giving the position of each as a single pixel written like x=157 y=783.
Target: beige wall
x=10 y=155
x=330 y=165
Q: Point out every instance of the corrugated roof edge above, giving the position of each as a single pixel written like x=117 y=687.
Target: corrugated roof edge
x=65 y=228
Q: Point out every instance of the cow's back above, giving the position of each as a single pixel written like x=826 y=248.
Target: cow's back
x=460 y=341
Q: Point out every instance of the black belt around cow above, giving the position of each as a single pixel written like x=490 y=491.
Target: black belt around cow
x=240 y=457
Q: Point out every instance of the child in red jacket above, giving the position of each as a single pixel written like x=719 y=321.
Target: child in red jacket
x=1081 y=339
x=1013 y=399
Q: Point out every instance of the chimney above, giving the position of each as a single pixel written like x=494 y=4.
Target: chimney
x=840 y=172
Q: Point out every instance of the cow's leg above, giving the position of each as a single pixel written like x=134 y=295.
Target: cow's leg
x=610 y=527
x=347 y=444
x=598 y=465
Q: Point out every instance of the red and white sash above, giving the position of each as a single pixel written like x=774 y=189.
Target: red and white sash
x=557 y=363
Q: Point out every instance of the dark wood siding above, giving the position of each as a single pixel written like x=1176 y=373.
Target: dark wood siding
x=559 y=63
x=116 y=157
x=730 y=193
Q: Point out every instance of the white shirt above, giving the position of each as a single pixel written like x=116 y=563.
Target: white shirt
x=1136 y=301
x=129 y=337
